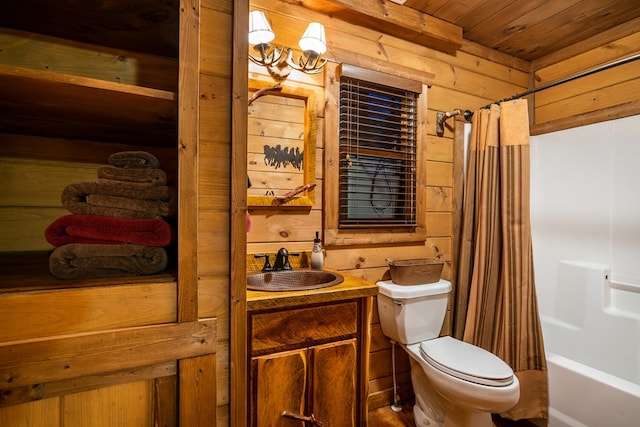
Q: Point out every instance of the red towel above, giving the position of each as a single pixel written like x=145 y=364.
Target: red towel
x=100 y=229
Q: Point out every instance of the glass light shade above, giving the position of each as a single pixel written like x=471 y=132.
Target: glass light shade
x=259 y=29
x=313 y=39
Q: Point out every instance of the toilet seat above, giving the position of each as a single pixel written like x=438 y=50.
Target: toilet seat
x=466 y=362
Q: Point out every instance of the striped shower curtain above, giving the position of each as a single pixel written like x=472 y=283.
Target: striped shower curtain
x=496 y=304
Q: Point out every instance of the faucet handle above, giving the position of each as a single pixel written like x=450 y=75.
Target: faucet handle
x=287 y=265
x=267 y=262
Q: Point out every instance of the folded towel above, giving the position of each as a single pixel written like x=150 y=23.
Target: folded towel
x=132 y=177
x=86 y=261
x=134 y=159
x=139 y=208
x=160 y=192
x=108 y=230
x=118 y=200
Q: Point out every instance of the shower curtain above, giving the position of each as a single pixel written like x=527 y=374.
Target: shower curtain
x=495 y=301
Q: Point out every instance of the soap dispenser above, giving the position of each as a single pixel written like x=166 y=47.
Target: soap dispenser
x=317 y=257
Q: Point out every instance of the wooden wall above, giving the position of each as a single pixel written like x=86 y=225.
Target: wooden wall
x=606 y=95
x=467 y=80
x=214 y=181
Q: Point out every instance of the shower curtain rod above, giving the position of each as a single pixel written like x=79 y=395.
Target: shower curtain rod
x=442 y=117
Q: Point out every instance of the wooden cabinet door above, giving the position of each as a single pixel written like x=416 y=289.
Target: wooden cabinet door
x=319 y=381
x=334 y=383
x=278 y=384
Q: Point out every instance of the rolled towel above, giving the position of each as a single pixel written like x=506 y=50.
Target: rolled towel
x=134 y=159
x=86 y=261
x=99 y=229
x=132 y=177
x=118 y=200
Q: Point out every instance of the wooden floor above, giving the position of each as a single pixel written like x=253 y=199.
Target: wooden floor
x=385 y=417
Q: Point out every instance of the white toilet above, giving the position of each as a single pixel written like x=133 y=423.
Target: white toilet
x=456 y=384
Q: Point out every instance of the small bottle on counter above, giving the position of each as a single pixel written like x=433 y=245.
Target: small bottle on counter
x=317 y=257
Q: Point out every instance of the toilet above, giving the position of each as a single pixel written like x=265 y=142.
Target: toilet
x=456 y=384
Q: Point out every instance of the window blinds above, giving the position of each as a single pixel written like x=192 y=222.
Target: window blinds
x=378 y=130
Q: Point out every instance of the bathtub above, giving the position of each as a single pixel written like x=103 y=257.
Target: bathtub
x=582 y=396
x=592 y=342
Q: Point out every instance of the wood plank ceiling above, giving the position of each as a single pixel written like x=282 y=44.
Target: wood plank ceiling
x=530 y=29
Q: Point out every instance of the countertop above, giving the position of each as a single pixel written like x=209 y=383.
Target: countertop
x=352 y=287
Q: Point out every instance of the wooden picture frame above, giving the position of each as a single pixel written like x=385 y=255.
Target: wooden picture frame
x=281 y=145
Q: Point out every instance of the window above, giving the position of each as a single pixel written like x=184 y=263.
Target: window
x=374 y=181
x=377 y=172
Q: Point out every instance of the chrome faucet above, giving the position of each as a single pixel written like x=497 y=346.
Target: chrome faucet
x=282 y=260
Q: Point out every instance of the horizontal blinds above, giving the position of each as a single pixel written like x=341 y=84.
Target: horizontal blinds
x=378 y=128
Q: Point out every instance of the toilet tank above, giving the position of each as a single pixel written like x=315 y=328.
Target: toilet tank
x=412 y=314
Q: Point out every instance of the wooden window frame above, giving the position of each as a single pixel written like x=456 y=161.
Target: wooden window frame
x=333 y=234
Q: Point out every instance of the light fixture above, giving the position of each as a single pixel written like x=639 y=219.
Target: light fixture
x=279 y=61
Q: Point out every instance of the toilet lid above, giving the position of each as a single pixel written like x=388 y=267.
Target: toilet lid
x=466 y=362
x=402 y=292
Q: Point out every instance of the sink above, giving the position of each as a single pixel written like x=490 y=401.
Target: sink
x=293 y=280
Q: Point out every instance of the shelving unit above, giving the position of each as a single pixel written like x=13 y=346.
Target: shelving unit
x=79 y=81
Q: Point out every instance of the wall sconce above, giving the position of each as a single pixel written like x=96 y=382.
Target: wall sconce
x=279 y=61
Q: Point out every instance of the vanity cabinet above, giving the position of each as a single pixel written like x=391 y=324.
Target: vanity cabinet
x=317 y=382
x=308 y=355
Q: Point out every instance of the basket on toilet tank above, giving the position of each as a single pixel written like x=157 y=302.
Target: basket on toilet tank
x=415 y=271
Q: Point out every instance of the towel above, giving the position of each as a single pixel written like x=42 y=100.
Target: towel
x=134 y=159
x=132 y=177
x=87 y=261
x=118 y=200
x=108 y=230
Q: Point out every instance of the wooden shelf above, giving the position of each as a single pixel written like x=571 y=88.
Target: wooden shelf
x=61 y=104
x=149 y=26
x=23 y=272
x=57 y=105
